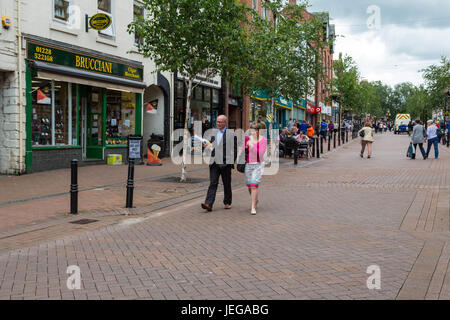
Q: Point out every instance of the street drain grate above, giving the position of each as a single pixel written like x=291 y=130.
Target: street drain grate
x=188 y=180
x=84 y=221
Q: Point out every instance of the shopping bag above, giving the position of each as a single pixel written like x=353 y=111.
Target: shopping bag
x=410 y=151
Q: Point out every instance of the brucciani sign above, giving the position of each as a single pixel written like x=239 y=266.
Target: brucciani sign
x=80 y=61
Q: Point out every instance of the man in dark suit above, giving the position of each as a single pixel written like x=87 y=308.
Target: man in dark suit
x=223 y=157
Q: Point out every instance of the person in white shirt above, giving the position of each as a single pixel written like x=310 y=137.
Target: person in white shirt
x=432 y=138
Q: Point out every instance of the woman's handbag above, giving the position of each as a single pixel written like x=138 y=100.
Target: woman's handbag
x=241 y=166
x=362 y=133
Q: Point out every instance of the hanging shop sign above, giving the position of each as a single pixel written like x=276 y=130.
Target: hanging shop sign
x=100 y=21
x=81 y=61
x=312 y=108
x=152 y=106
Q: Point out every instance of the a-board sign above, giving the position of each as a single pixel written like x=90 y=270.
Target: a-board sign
x=134 y=147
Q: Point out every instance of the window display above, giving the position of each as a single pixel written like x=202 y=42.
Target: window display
x=120 y=116
x=52 y=102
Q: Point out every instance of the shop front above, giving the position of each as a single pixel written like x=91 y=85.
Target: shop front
x=81 y=104
x=206 y=102
x=284 y=109
x=312 y=111
x=298 y=112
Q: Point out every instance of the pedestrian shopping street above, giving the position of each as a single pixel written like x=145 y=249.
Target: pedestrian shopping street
x=318 y=227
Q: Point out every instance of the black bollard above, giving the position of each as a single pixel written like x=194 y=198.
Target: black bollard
x=130 y=183
x=334 y=139
x=329 y=141
x=313 y=147
x=346 y=135
x=448 y=137
x=339 y=138
x=317 y=148
x=296 y=154
x=321 y=144
x=74 y=187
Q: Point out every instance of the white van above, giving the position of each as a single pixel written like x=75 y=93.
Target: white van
x=401 y=123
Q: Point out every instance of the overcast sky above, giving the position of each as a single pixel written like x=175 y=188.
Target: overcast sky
x=412 y=35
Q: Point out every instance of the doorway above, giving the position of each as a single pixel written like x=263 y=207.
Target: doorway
x=91 y=124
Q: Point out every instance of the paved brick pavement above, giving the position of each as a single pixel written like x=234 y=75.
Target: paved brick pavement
x=317 y=230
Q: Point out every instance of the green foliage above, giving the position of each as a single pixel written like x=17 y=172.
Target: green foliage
x=346 y=84
x=194 y=36
x=437 y=80
x=286 y=52
x=417 y=102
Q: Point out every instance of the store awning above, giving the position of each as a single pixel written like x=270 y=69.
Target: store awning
x=260 y=95
x=279 y=102
x=72 y=75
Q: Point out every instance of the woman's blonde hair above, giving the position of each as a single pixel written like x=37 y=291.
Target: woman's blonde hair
x=258 y=124
x=368 y=124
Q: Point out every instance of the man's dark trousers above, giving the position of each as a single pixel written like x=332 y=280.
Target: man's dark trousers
x=215 y=171
x=229 y=155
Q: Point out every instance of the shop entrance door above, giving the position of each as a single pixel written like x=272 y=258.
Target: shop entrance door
x=91 y=123
x=83 y=124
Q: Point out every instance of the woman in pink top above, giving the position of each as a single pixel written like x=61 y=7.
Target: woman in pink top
x=256 y=146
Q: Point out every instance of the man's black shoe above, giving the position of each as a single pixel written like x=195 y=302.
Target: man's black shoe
x=206 y=207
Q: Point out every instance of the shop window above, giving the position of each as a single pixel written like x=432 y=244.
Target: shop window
x=53 y=113
x=138 y=12
x=61 y=10
x=179 y=114
x=198 y=93
x=180 y=88
x=121 y=115
x=207 y=94
x=215 y=96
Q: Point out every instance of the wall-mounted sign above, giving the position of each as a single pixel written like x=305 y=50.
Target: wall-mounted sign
x=6 y=22
x=53 y=55
x=100 y=21
x=205 y=78
x=312 y=108
x=152 y=106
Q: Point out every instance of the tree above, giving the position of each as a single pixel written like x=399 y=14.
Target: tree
x=417 y=102
x=346 y=84
x=437 y=80
x=285 y=52
x=194 y=37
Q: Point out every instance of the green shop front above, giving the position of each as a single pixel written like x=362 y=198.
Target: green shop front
x=261 y=105
x=81 y=104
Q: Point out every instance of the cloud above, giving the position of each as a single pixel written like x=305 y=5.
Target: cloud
x=412 y=36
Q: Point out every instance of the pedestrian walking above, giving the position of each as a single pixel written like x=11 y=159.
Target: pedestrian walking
x=290 y=124
x=418 y=138
x=255 y=147
x=432 y=139
x=223 y=157
x=410 y=128
x=366 y=139
x=303 y=126
x=323 y=130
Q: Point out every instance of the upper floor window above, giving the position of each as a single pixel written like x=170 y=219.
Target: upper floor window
x=61 y=10
x=106 y=6
x=255 y=2
x=138 y=11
